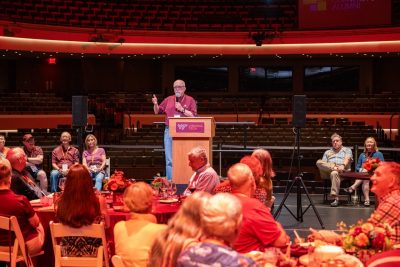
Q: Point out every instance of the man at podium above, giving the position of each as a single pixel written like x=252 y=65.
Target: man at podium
x=205 y=178
x=178 y=105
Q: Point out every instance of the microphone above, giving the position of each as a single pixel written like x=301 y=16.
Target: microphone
x=177 y=97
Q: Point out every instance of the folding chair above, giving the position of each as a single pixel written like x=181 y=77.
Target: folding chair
x=117 y=261
x=15 y=252
x=59 y=230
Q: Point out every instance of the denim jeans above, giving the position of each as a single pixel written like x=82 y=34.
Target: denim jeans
x=168 y=153
x=54 y=177
x=98 y=179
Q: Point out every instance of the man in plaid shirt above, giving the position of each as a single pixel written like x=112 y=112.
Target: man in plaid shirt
x=386 y=186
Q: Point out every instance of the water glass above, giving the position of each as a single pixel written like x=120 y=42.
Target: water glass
x=61 y=183
x=172 y=189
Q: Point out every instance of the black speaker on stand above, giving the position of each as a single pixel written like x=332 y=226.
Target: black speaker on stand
x=298 y=121
x=79 y=117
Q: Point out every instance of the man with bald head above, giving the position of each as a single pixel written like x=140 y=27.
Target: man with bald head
x=21 y=182
x=177 y=105
x=259 y=229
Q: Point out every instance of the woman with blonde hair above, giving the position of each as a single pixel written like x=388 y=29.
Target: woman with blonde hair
x=94 y=158
x=268 y=173
x=183 y=230
x=221 y=218
x=370 y=151
x=133 y=238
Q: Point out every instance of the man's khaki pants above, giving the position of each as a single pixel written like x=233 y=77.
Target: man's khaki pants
x=327 y=172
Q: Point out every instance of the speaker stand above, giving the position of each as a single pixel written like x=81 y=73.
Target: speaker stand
x=298 y=181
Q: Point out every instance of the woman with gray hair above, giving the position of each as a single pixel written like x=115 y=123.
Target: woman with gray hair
x=221 y=220
x=133 y=238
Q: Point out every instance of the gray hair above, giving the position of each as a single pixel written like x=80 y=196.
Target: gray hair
x=222 y=216
x=334 y=135
x=199 y=152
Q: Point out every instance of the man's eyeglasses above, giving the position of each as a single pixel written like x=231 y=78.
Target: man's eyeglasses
x=179 y=86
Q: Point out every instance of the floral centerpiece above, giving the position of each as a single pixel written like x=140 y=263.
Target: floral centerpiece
x=159 y=184
x=117 y=182
x=371 y=164
x=365 y=239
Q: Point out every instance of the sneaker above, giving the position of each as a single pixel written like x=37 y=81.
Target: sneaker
x=366 y=203
x=335 y=203
x=348 y=190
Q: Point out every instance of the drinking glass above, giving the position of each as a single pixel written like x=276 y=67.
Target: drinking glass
x=163 y=189
x=172 y=188
x=61 y=183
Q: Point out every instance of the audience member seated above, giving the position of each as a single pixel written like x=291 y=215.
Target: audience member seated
x=259 y=229
x=221 y=218
x=3 y=149
x=62 y=158
x=134 y=238
x=34 y=161
x=94 y=158
x=261 y=192
x=370 y=151
x=334 y=161
x=386 y=186
x=183 y=230
x=265 y=180
x=205 y=178
x=22 y=183
x=18 y=206
x=79 y=206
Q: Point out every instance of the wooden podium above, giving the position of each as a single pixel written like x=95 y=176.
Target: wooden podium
x=186 y=133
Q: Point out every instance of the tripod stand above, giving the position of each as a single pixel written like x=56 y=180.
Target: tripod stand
x=298 y=181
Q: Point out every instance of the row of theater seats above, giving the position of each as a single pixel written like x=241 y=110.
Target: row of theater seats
x=111 y=104
x=155 y=15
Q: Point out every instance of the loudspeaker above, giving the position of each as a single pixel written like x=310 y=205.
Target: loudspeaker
x=299 y=111
x=79 y=110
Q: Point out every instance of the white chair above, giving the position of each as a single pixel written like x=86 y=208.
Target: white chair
x=117 y=261
x=59 y=230
x=17 y=251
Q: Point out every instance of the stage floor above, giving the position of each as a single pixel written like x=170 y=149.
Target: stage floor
x=330 y=216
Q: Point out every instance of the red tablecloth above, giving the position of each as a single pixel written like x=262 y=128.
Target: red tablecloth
x=163 y=213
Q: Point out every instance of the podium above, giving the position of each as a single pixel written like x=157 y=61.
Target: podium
x=186 y=133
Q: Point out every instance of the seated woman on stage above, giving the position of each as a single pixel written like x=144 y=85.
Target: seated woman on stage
x=370 y=151
x=79 y=206
x=221 y=218
x=183 y=231
x=18 y=206
x=133 y=238
x=94 y=158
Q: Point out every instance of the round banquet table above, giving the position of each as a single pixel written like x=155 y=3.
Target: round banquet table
x=163 y=213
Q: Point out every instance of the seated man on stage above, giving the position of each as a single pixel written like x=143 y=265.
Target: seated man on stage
x=62 y=158
x=259 y=229
x=205 y=178
x=34 y=161
x=334 y=161
x=386 y=186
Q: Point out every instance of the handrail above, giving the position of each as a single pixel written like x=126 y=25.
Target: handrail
x=390 y=125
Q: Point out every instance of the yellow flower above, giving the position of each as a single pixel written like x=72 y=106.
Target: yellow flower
x=361 y=240
x=367 y=228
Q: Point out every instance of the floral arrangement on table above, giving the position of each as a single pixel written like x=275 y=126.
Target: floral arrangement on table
x=371 y=164
x=365 y=239
x=159 y=181
x=117 y=182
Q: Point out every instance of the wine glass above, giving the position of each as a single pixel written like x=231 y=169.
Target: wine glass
x=172 y=189
x=163 y=189
x=61 y=183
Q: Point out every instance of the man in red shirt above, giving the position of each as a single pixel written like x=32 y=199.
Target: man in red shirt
x=177 y=105
x=259 y=228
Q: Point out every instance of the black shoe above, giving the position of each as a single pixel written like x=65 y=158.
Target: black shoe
x=335 y=203
x=348 y=190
